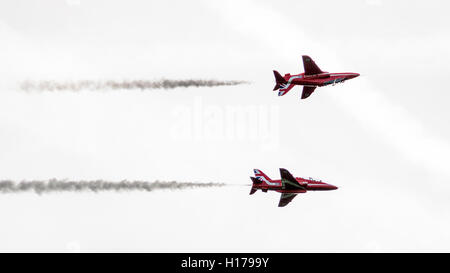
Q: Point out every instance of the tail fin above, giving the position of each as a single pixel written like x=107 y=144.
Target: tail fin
x=278 y=79
x=255 y=181
x=261 y=176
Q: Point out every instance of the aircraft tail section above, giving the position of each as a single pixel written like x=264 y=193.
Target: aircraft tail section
x=255 y=182
x=261 y=176
x=279 y=80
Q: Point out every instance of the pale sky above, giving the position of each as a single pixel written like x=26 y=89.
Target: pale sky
x=382 y=138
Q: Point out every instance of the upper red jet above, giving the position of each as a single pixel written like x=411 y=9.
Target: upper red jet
x=289 y=186
x=312 y=78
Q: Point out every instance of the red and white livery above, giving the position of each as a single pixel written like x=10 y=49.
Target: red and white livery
x=312 y=78
x=289 y=186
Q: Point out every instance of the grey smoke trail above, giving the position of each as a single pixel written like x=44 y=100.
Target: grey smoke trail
x=54 y=185
x=115 y=85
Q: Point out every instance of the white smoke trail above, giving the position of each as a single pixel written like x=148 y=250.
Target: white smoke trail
x=54 y=185
x=115 y=85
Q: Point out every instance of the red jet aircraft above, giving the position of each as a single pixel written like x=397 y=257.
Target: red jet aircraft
x=312 y=78
x=289 y=186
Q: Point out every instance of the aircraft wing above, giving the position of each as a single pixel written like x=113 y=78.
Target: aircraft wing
x=310 y=66
x=288 y=181
x=286 y=198
x=307 y=91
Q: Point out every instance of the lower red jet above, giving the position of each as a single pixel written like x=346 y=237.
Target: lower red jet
x=289 y=186
x=312 y=78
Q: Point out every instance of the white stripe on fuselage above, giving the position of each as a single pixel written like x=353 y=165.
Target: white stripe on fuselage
x=317 y=185
x=286 y=85
x=262 y=178
x=337 y=75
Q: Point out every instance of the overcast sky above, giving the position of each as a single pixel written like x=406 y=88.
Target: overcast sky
x=382 y=138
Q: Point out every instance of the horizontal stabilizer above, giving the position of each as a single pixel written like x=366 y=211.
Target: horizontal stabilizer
x=278 y=77
x=255 y=180
x=279 y=80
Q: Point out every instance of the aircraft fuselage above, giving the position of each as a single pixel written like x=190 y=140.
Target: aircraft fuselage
x=312 y=78
x=322 y=79
x=309 y=185
x=289 y=186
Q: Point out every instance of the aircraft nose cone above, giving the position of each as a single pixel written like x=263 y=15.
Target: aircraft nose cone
x=333 y=187
x=351 y=76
